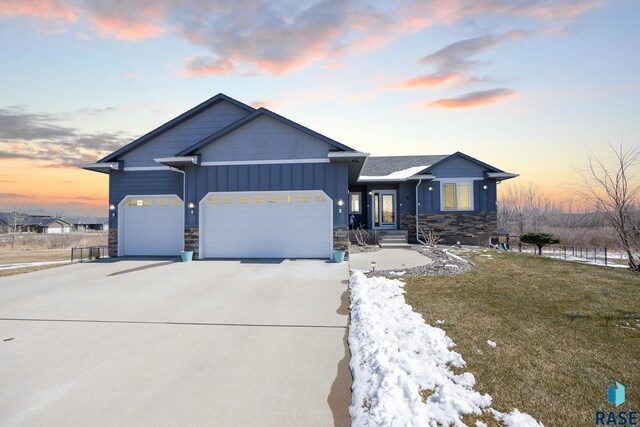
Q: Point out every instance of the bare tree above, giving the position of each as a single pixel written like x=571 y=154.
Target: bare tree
x=15 y=219
x=613 y=190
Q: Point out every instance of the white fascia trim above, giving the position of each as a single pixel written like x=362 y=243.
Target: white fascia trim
x=346 y=154
x=107 y=165
x=264 y=162
x=177 y=159
x=500 y=175
x=423 y=177
x=146 y=168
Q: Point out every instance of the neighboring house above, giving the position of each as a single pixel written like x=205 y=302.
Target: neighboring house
x=37 y=224
x=87 y=223
x=229 y=181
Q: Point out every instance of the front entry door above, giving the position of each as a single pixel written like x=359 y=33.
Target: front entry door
x=384 y=209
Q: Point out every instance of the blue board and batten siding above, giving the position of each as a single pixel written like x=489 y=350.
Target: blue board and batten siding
x=332 y=178
x=141 y=183
x=184 y=135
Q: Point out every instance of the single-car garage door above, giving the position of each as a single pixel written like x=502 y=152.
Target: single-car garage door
x=271 y=224
x=150 y=225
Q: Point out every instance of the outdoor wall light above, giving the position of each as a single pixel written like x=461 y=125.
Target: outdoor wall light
x=340 y=202
x=484 y=187
x=371 y=193
x=192 y=206
x=430 y=188
x=112 y=208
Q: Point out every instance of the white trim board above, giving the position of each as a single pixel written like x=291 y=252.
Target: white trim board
x=146 y=168
x=265 y=162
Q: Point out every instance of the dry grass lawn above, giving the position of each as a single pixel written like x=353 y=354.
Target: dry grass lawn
x=14 y=271
x=564 y=331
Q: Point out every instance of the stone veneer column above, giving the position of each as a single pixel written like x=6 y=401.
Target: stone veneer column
x=112 y=242
x=341 y=238
x=192 y=241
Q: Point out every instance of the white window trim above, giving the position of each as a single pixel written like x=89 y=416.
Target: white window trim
x=457 y=181
x=358 y=212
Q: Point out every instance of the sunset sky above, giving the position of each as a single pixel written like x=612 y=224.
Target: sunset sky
x=528 y=86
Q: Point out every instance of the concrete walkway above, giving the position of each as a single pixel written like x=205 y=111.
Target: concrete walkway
x=163 y=343
x=388 y=259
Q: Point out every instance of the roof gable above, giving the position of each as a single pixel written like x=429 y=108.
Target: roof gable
x=174 y=123
x=261 y=112
x=466 y=157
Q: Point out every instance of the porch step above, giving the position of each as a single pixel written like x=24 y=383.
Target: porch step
x=394 y=245
x=393 y=238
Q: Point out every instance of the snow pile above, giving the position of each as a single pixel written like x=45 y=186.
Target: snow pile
x=395 y=356
x=492 y=344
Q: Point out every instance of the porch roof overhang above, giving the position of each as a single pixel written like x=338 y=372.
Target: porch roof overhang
x=354 y=160
x=500 y=176
x=178 y=160
x=103 y=167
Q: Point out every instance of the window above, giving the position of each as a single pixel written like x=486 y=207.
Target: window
x=354 y=203
x=319 y=199
x=176 y=202
x=227 y=200
x=243 y=200
x=304 y=199
x=457 y=196
x=258 y=199
x=288 y=199
x=273 y=199
x=139 y=202
x=161 y=202
x=212 y=200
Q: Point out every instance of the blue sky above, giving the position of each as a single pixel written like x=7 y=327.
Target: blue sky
x=529 y=86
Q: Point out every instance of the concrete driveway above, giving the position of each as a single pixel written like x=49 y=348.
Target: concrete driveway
x=158 y=343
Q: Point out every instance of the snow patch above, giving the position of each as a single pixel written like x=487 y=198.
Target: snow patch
x=401 y=174
x=395 y=356
x=397 y=273
x=439 y=322
x=492 y=344
x=516 y=419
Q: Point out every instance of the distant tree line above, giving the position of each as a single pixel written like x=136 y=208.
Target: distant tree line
x=605 y=211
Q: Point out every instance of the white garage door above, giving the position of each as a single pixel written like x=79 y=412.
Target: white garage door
x=274 y=224
x=150 y=225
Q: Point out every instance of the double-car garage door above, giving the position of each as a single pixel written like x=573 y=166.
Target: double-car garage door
x=274 y=224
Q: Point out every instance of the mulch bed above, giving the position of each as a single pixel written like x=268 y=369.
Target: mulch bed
x=443 y=264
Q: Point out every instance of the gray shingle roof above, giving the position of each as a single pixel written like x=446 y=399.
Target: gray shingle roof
x=386 y=165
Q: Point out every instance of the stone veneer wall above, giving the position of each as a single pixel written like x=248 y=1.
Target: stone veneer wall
x=466 y=228
x=112 y=242
x=192 y=241
x=341 y=238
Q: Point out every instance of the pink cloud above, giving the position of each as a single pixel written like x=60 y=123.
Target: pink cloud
x=425 y=81
x=122 y=29
x=198 y=66
x=473 y=99
x=41 y=9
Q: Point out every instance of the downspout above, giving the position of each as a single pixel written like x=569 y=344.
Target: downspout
x=416 y=216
